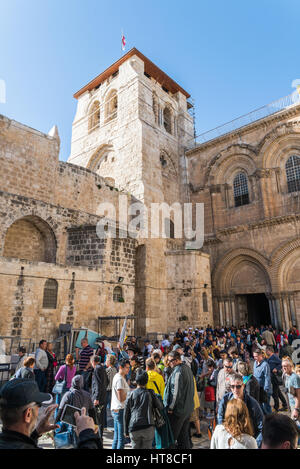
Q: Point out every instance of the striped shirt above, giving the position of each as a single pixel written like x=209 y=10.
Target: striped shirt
x=85 y=356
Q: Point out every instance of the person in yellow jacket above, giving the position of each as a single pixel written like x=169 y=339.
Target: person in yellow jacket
x=155 y=379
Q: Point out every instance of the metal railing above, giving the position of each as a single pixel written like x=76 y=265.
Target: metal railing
x=281 y=104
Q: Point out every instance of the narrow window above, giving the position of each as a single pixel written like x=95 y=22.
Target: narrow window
x=168 y=120
x=205 y=303
x=50 y=294
x=94 y=116
x=118 y=295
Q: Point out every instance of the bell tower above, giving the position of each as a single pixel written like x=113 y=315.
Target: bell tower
x=132 y=126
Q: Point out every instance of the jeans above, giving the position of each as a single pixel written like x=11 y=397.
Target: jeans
x=107 y=407
x=119 y=439
x=142 y=439
x=266 y=408
x=40 y=378
x=180 y=428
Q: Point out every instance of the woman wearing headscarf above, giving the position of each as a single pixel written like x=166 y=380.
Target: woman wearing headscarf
x=77 y=397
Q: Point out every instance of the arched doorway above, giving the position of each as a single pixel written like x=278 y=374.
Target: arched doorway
x=244 y=288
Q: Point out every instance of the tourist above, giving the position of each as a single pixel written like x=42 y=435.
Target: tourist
x=238 y=392
x=155 y=379
x=138 y=413
x=236 y=432
x=66 y=372
x=286 y=350
x=292 y=384
x=279 y=432
x=26 y=372
x=223 y=383
x=77 y=397
x=120 y=390
x=41 y=364
x=268 y=336
x=179 y=399
x=111 y=371
x=99 y=390
x=84 y=355
x=167 y=369
x=262 y=373
x=276 y=370
x=22 y=356
x=135 y=367
x=20 y=400
x=251 y=384
x=52 y=363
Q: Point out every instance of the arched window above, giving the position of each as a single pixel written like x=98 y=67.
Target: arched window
x=111 y=107
x=292 y=168
x=204 y=303
x=50 y=294
x=94 y=116
x=168 y=120
x=118 y=295
x=240 y=189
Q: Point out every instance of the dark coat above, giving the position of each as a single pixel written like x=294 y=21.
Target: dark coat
x=99 y=385
x=256 y=414
x=138 y=411
x=77 y=397
x=14 y=440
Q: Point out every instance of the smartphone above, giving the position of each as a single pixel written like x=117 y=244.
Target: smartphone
x=68 y=415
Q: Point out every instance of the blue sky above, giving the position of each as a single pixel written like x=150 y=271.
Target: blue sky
x=232 y=56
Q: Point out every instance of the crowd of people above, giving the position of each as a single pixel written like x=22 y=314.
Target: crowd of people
x=243 y=382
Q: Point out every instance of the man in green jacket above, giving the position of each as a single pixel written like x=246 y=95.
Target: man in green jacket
x=179 y=399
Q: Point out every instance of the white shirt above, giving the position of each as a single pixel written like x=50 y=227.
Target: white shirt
x=221 y=438
x=118 y=383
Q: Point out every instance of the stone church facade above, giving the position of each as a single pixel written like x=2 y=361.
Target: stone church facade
x=130 y=133
x=132 y=136
x=249 y=181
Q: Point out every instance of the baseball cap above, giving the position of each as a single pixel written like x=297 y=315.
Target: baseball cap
x=20 y=392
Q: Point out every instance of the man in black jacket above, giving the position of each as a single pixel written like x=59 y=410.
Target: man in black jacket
x=20 y=400
x=99 y=391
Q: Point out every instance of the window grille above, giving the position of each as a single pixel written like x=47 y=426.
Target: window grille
x=240 y=189
x=292 y=168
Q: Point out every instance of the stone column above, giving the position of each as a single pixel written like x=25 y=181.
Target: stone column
x=273 y=319
x=286 y=311
x=291 y=300
x=278 y=311
x=233 y=310
x=221 y=312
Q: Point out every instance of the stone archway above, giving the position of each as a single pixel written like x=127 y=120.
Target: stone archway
x=30 y=238
x=243 y=288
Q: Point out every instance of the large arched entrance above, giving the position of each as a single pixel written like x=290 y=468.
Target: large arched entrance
x=243 y=287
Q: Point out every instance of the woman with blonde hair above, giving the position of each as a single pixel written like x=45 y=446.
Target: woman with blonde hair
x=236 y=432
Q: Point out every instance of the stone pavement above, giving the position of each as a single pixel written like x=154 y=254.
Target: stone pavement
x=46 y=441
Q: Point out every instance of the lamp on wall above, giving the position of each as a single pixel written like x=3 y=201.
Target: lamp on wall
x=205 y=285
x=120 y=279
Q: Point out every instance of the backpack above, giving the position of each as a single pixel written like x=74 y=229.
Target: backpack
x=210 y=394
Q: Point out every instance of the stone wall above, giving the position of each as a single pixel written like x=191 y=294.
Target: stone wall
x=253 y=247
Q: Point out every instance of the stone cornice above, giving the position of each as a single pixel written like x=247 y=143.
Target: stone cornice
x=290 y=112
x=252 y=226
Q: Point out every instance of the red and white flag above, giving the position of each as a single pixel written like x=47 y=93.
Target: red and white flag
x=123 y=42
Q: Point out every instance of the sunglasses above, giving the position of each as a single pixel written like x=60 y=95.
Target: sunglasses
x=237 y=386
x=228 y=367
